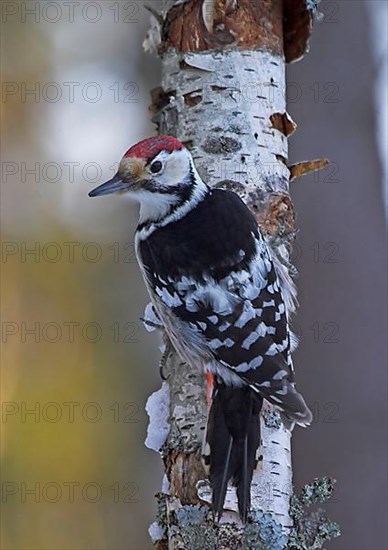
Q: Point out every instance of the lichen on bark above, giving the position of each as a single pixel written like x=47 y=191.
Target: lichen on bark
x=312 y=528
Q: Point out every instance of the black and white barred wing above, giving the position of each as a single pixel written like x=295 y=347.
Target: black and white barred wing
x=239 y=325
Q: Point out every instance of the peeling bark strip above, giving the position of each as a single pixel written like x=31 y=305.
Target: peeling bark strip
x=305 y=167
x=223 y=95
x=283 y=122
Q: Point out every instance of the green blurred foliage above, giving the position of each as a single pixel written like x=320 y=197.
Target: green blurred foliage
x=88 y=366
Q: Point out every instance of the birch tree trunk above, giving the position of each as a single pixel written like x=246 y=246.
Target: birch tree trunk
x=223 y=94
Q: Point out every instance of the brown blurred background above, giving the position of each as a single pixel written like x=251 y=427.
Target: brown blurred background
x=75 y=472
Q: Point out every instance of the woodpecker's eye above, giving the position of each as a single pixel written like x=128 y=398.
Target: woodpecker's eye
x=156 y=167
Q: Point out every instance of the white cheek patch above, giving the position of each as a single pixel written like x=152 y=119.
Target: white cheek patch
x=176 y=167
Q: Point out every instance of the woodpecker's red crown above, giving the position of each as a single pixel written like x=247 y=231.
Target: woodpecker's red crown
x=150 y=147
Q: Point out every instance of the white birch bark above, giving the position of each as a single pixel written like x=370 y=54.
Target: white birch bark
x=220 y=103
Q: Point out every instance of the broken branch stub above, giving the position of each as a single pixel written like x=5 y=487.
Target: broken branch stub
x=281 y=26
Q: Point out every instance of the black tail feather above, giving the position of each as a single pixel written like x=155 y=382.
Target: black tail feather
x=244 y=485
x=221 y=492
x=233 y=435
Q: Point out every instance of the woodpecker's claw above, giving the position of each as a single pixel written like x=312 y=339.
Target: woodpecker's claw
x=168 y=349
x=151 y=324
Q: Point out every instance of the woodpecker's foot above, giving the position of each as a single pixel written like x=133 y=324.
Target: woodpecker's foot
x=167 y=350
x=151 y=324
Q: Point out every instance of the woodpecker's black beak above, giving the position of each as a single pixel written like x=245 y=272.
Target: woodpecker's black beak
x=111 y=186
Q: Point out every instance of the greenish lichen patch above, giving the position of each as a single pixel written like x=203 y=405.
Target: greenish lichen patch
x=229 y=536
x=193 y=527
x=312 y=5
x=196 y=532
x=161 y=514
x=272 y=419
x=190 y=514
x=262 y=532
x=318 y=490
x=312 y=528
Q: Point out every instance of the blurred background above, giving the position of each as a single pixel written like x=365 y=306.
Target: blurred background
x=78 y=366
